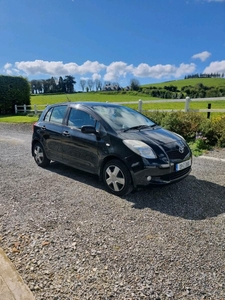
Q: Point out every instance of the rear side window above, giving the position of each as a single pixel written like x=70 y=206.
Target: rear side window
x=48 y=115
x=56 y=114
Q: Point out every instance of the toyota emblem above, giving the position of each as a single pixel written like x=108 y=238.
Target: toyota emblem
x=181 y=149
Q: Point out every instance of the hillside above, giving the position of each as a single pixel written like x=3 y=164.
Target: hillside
x=158 y=93
x=209 y=82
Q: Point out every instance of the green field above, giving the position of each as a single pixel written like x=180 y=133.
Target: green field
x=125 y=97
x=92 y=96
x=215 y=82
x=103 y=97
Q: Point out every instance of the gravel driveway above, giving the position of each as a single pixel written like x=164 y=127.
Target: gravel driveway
x=70 y=239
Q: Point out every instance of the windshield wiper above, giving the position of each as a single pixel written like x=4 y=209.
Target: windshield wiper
x=138 y=127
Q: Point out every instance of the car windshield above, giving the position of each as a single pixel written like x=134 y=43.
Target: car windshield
x=123 y=118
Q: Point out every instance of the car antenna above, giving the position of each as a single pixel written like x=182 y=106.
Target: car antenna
x=67 y=98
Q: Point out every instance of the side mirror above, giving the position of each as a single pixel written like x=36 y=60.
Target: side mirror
x=88 y=129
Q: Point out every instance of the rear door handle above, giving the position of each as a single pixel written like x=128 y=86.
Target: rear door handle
x=66 y=133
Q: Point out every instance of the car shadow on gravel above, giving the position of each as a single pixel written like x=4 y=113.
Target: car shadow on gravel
x=75 y=174
x=191 y=199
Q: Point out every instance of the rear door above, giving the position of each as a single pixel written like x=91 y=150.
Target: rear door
x=51 y=130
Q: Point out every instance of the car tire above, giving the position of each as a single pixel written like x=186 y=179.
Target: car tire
x=40 y=156
x=117 y=178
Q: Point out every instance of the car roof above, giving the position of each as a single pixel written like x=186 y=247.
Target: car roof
x=87 y=104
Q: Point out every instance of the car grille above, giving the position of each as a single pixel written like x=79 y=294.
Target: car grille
x=175 y=175
x=175 y=154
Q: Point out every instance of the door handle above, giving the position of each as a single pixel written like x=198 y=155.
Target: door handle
x=66 y=133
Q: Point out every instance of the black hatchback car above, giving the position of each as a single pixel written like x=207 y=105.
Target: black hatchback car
x=122 y=146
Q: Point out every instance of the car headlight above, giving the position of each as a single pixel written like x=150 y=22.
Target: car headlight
x=140 y=148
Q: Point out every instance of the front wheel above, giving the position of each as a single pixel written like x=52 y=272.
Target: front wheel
x=39 y=156
x=117 y=178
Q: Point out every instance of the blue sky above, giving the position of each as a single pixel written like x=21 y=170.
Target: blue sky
x=112 y=40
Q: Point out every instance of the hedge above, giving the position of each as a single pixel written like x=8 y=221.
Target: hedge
x=13 y=90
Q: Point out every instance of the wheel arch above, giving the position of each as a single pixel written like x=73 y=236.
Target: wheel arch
x=34 y=142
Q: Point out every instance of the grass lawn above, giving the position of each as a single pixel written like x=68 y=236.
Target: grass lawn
x=18 y=119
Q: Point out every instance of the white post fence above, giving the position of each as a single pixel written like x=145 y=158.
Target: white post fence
x=187 y=104
x=28 y=108
x=140 y=103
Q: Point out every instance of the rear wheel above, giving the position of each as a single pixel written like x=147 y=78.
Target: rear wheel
x=39 y=155
x=117 y=178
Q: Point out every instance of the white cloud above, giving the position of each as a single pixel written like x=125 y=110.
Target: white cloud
x=55 y=68
x=159 y=71
x=10 y=70
x=202 y=56
x=215 y=67
x=184 y=69
x=7 y=66
x=116 y=70
x=96 y=76
x=7 y=69
x=90 y=67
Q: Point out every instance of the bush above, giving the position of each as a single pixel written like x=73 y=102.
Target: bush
x=156 y=116
x=218 y=128
x=185 y=124
x=194 y=127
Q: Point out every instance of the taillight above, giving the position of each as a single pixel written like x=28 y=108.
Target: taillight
x=34 y=125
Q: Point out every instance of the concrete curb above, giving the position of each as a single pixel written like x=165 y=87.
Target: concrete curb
x=12 y=286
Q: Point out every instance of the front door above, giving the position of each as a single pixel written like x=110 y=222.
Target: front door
x=81 y=150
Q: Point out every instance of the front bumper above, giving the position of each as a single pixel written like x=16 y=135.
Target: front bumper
x=159 y=175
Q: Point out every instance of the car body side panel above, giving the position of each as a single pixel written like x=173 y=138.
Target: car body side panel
x=83 y=151
x=50 y=136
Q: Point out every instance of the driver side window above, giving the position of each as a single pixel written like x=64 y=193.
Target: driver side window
x=79 y=118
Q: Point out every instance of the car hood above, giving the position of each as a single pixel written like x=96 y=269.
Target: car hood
x=156 y=135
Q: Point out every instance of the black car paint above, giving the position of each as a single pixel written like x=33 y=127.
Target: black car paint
x=89 y=152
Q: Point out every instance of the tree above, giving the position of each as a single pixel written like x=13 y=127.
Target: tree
x=46 y=86
x=82 y=84
x=98 y=85
x=61 y=85
x=171 y=88
x=90 y=84
x=39 y=86
x=69 y=83
x=33 y=86
x=134 y=84
x=52 y=86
